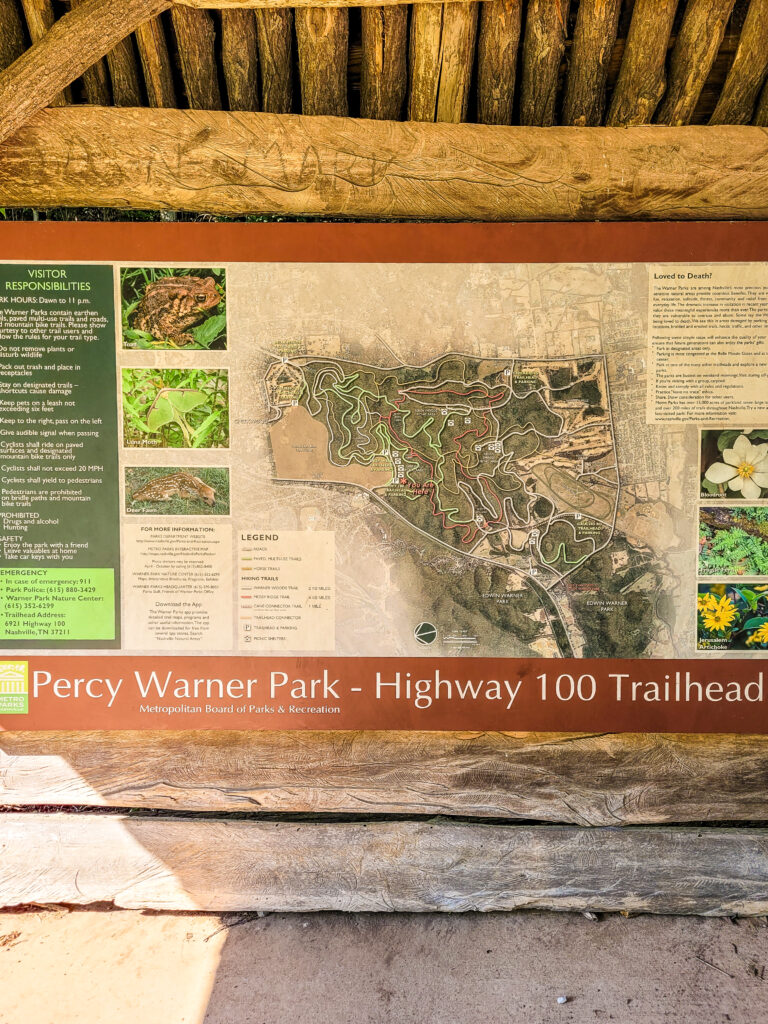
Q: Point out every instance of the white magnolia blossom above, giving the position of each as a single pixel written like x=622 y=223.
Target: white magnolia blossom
x=744 y=468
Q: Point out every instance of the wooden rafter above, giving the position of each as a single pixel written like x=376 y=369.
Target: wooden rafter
x=233 y=163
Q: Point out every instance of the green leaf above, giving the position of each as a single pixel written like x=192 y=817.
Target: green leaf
x=709 y=487
x=185 y=401
x=726 y=439
x=756 y=623
x=758 y=435
x=749 y=596
x=210 y=330
x=201 y=433
x=162 y=413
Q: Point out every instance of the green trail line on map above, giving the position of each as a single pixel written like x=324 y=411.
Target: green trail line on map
x=497 y=459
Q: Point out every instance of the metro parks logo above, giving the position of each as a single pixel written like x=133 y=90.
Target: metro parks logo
x=14 y=687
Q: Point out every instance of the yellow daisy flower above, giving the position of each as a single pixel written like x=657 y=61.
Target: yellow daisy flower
x=760 y=636
x=706 y=602
x=721 y=616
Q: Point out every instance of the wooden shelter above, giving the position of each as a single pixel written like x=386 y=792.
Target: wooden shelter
x=500 y=110
x=423 y=110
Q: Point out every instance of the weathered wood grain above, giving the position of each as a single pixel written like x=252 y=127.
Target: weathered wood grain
x=584 y=780
x=497 y=47
x=156 y=64
x=12 y=41
x=747 y=73
x=642 y=77
x=124 y=75
x=39 y=17
x=95 y=78
x=384 y=75
x=597 y=23
x=322 y=40
x=240 y=59
x=543 y=48
x=442 y=48
x=281 y=4
x=406 y=867
x=275 y=30
x=259 y=163
x=195 y=38
x=71 y=46
x=693 y=55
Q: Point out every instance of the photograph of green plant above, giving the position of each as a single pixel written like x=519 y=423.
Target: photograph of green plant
x=174 y=308
x=179 y=408
x=177 y=491
x=735 y=461
x=733 y=541
x=732 y=617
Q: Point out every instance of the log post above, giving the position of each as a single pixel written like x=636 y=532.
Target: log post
x=11 y=33
x=40 y=18
x=546 y=27
x=384 y=75
x=692 y=58
x=597 y=23
x=95 y=78
x=124 y=75
x=322 y=35
x=156 y=64
x=275 y=31
x=642 y=77
x=195 y=37
x=497 y=60
x=240 y=59
x=748 y=71
x=442 y=56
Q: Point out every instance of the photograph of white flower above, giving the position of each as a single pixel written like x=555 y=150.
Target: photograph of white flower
x=734 y=464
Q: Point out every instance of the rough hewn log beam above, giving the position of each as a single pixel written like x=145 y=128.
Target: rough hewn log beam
x=322 y=38
x=275 y=57
x=95 y=78
x=442 y=48
x=543 y=48
x=156 y=64
x=497 y=60
x=195 y=36
x=124 y=75
x=582 y=780
x=642 y=77
x=597 y=22
x=403 y=866
x=748 y=71
x=240 y=59
x=248 y=163
x=71 y=46
x=281 y=4
x=11 y=33
x=692 y=58
x=40 y=19
x=384 y=81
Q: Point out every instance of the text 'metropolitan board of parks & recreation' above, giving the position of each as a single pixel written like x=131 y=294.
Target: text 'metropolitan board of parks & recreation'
x=487 y=491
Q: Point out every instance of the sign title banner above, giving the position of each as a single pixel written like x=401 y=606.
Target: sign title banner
x=449 y=477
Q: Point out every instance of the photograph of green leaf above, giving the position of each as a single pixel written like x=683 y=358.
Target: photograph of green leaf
x=733 y=541
x=734 y=464
x=177 y=491
x=180 y=408
x=732 y=617
x=174 y=308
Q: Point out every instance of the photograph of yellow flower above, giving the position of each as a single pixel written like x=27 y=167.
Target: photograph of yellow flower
x=734 y=464
x=732 y=617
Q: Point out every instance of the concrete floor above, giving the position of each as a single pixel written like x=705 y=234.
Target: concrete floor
x=125 y=967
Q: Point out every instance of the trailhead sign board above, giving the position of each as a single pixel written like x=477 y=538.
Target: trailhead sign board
x=384 y=477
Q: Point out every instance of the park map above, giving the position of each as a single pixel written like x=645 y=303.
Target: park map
x=494 y=493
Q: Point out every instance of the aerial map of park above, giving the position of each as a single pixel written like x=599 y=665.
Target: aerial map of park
x=487 y=499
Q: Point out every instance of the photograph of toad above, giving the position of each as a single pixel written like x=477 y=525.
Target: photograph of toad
x=172 y=307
